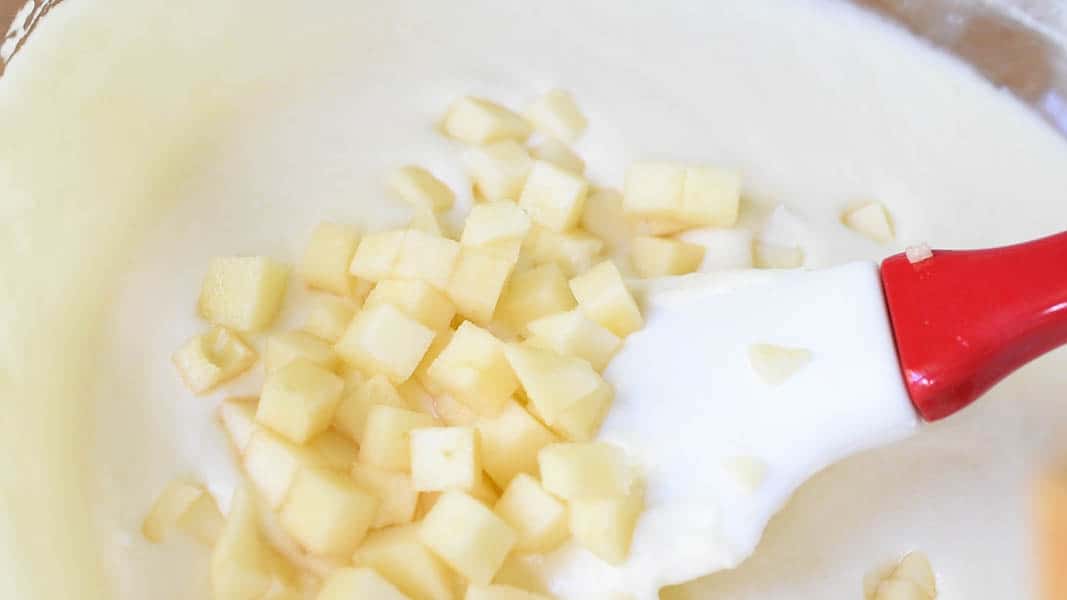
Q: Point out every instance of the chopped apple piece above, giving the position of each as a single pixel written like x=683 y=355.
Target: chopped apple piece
x=326 y=513
x=419 y=188
x=919 y=253
x=485 y=491
x=377 y=254
x=553 y=196
x=417 y=299
x=187 y=507
x=653 y=190
x=426 y=257
x=774 y=364
x=425 y=220
x=356 y=404
x=284 y=348
x=444 y=458
x=870 y=220
x=474 y=370
x=501 y=592
x=522 y=571
x=910 y=579
x=557 y=115
x=539 y=519
x=453 y=412
x=272 y=463
x=243 y=292
x=533 y=294
x=510 y=441
x=494 y=222
x=662 y=257
x=468 y=536
x=243 y=565
x=748 y=471
x=603 y=297
x=558 y=153
x=402 y=559
x=336 y=450
x=386 y=439
x=565 y=392
x=680 y=196
x=396 y=495
x=238 y=418
x=498 y=170
x=299 y=400
x=900 y=589
x=710 y=196
x=572 y=333
x=350 y=584
x=416 y=396
x=586 y=470
x=603 y=217
x=478 y=282
x=772 y=256
x=574 y=251
x=327 y=257
x=659 y=226
x=328 y=317
x=723 y=248
x=480 y=121
x=212 y=358
x=440 y=342
x=605 y=526
x=915 y=567
x=384 y=340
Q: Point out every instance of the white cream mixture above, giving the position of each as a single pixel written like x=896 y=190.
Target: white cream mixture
x=140 y=138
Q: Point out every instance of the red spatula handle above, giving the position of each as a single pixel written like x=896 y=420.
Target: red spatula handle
x=963 y=320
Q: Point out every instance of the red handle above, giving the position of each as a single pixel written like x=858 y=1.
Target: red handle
x=964 y=320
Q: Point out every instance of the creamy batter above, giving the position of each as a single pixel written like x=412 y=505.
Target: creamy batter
x=141 y=138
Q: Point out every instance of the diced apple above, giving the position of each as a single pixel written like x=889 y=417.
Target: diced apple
x=501 y=592
x=376 y=256
x=710 y=196
x=653 y=190
x=659 y=226
x=474 y=370
x=328 y=317
x=748 y=471
x=243 y=565
x=572 y=333
x=774 y=364
x=538 y=518
x=402 y=559
x=326 y=259
x=396 y=495
x=522 y=571
x=284 y=348
x=453 y=412
x=478 y=282
x=299 y=400
x=484 y=491
x=187 y=507
x=336 y=451
x=565 y=392
x=510 y=442
x=498 y=170
x=351 y=584
x=427 y=258
x=915 y=567
x=574 y=251
x=557 y=115
x=480 y=121
x=778 y=245
x=417 y=299
x=444 y=458
x=384 y=340
x=272 y=463
x=603 y=217
x=468 y=536
x=870 y=220
x=900 y=589
x=558 y=153
x=603 y=297
x=440 y=342
x=212 y=358
x=419 y=188
x=662 y=257
x=605 y=526
x=238 y=418
x=243 y=292
x=586 y=470
x=494 y=222
x=425 y=220
x=723 y=248
x=386 y=439
x=356 y=404
x=326 y=513
x=553 y=196
x=773 y=256
x=532 y=294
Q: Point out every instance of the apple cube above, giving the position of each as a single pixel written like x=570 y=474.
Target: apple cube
x=603 y=217
x=574 y=251
x=478 y=282
x=425 y=220
x=299 y=400
x=510 y=441
x=453 y=412
x=723 y=248
x=326 y=259
x=565 y=392
x=484 y=491
x=900 y=589
x=419 y=188
x=417 y=299
x=915 y=567
x=572 y=333
x=773 y=256
x=538 y=518
x=468 y=536
x=243 y=292
x=402 y=559
x=185 y=506
x=534 y=293
x=336 y=451
x=501 y=592
x=376 y=255
x=426 y=257
x=605 y=526
x=416 y=396
x=659 y=226
x=710 y=196
x=748 y=471
x=558 y=153
x=243 y=565
x=498 y=170
x=604 y=297
x=493 y=222
x=774 y=364
x=586 y=470
x=328 y=317
x=870 y=220
x=444 y=458
x=386 y=440
x=238 y=419
x=212 y=358
x=396 y=496
x=479 y=121
x=440 y=342
x=356 y=404
x=348 y=584
x=326 y=513
x=653 y=190
x=662 y=257
x=272 y=463
x=384 y=340
x=522 y=571
x=284 y=348
x=557 y=115
x=553 y=196
x=474 y=370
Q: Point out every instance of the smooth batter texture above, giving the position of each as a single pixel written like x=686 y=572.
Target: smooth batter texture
x=142 y=137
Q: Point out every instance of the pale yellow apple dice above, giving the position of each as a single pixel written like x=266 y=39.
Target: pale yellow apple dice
x=243 y=565
x=493 y=222
x=238 y=419
x=900 y=589
x=509 y=443
x=572 y=333
x=522 y=572
x=774 y=364
x=396 y=495
x=748 y=471
x=586 y=470
x=553 y=197
x=773 y=256
x=386 y=439
x=326 y=513
x=439 y=343
x=605 y=526
x=539 y=518
x=444 y=458
x=474 y=370
x=417 y=299
x=352 y=584
x=662 y=257
x=183 y=506
x=498 y=170
x=485 y=491
x=603 y=217
x=212 y=358
x=416 y=396
x=479 y=121
x=383 y=340
x=351 y=415
x=299 y=400
x=915 y=567
x=426 y=257
x=653 y=190
x=419 y=188
x=328 y=317
x=376 y=255
x=659 y=226
x=398 y=555
x=581 y=420
x=870 y=220
x=243 y=292
x=557 y=115
x=336 y=451
x=272 y=463
x=560 y=154
x=604 y=297
x=574 y=251
x=710 y=197
x=478 y=282
x=501 y=592
x=326 y=259
x=425 y=220
x=453 y=412
x=468 y=536
x=532 y=294
x=281 y=349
